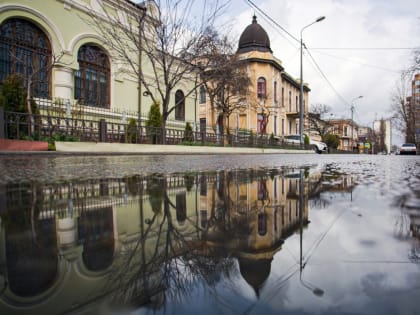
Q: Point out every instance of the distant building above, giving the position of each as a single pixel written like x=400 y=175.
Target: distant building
x=347 y=130
x=414 y=102
x=365 y=138
x=383 y=135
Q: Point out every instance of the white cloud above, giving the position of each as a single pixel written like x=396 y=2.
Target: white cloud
x=359 y=23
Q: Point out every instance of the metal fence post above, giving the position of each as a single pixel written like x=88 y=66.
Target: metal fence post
x=2 y=124
x=102 y=130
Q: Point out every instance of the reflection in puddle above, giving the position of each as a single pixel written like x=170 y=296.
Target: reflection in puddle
x=152 y=241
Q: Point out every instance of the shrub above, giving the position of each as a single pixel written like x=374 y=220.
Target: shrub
x=251 y=138
x=332 y=141
x=13 y=95
x=154 y=121
x=188 y=133
x=131 y=133
x=154 y=118
x=51 y=146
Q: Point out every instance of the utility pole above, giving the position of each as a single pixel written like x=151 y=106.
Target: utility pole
x=351 y=142
x=139 y=75
x=352 y=123
x=301 y=107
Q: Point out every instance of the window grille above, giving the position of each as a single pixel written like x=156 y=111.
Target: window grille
x=26 y=50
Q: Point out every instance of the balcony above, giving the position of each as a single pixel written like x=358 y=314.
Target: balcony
x=293 y=114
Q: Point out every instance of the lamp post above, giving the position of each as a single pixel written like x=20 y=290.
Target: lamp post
x=301 y=79
x=315 y=290
x=139 y=74
x=352 y=125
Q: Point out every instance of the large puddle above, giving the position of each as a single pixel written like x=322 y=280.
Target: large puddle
x=210 y=235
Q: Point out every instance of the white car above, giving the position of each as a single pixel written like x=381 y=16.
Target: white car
x=408 y=148
x=318 y=146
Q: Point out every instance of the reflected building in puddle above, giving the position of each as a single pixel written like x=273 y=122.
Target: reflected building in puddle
x=263 y=212
x=73 y=246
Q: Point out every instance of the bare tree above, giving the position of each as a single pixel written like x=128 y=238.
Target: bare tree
x=415 y=67
x=232 y=89
x=157 y=42
x=33 y=74
x=261 y=106
x=402 y=107
x=224 y=76
x=316 y=123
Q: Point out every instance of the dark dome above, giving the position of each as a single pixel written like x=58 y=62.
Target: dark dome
x=255 y=272
x=254 y=38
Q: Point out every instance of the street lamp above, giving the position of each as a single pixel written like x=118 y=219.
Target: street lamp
x=139 y=75
x=352 y=125
x=301 y=79
x=315 y=290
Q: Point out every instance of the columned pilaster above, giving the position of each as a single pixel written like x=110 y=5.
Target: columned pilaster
x=63 y=82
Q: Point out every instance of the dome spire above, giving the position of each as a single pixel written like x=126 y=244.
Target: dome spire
x=254 y=38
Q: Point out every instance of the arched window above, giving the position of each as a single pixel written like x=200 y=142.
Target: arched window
x=179 y=105
x=202 y=94
x=261 y=88
x=262 y=224
x=181 y=207
x=275 y=92
x=92 y=80
x=96 y=234
x=26 y=50
x=32 y=261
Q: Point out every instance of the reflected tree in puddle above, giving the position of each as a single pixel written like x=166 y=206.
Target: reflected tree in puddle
x=152 y=240
x=407 y=224
x=238 y=219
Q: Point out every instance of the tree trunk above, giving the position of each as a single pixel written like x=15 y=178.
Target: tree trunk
x=225 y=133
x=29 y=108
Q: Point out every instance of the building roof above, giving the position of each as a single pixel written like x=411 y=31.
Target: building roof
x=287 y=77
x=254 y=37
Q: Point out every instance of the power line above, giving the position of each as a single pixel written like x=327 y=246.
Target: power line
x=266 y=16
x=358 y=62
x=272 y=21
x=279 y=31
x=325 y=78
x=276 y=27
x=297 y=40
x=364 y=48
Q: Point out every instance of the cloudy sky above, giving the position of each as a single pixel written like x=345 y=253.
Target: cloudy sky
x=378 y=28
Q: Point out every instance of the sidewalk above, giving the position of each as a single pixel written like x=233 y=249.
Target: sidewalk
x=93 y=148
x=122 y=148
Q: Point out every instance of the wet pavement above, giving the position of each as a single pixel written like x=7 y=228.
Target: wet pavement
x=237 y=234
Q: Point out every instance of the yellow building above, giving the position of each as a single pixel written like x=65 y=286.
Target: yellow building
x=272 y=104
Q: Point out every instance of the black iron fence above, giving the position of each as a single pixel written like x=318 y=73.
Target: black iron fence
x=47 y=127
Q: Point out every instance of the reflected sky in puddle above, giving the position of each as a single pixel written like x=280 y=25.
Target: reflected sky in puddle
x=90 y=235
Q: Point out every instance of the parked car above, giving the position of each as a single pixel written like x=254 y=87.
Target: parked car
x=408 y=148
x=318 y=146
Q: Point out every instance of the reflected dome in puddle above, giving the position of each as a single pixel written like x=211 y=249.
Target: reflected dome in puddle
x=258 y=240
